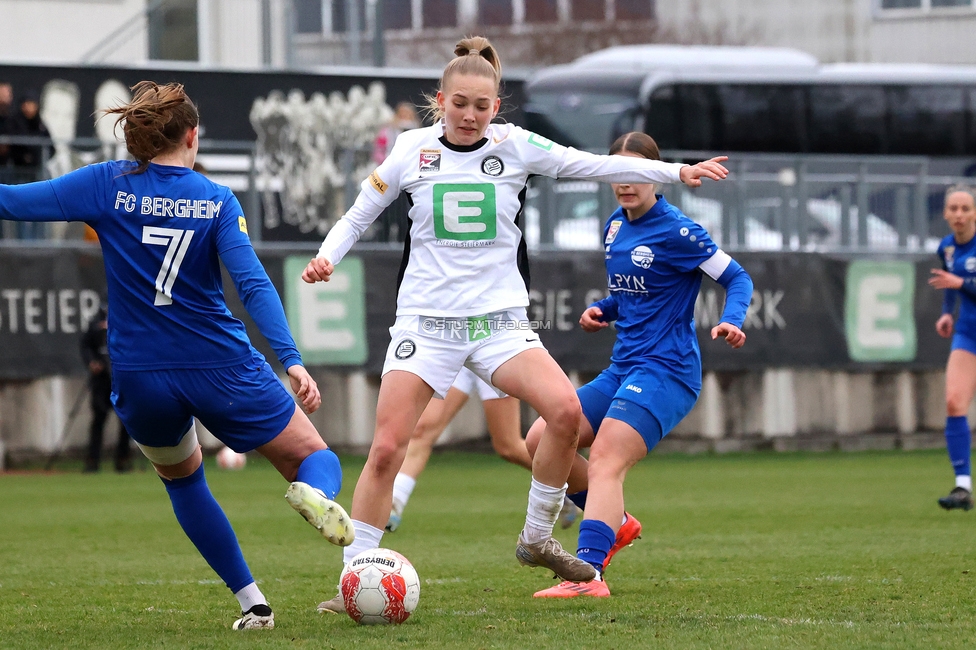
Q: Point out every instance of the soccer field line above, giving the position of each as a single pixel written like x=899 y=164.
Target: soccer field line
x=159 y=610
x=778 y=579
x=791 y=622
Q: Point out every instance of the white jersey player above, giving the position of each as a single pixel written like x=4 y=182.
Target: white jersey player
x=462 y=297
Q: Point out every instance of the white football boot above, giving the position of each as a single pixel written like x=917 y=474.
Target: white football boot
x=325 y=514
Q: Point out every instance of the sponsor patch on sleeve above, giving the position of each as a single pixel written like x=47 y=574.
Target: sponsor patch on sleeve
x=537 y=140
x=377 y=183
x=242 y=224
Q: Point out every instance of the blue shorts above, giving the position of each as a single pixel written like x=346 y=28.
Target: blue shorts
x=962 y=342
x=244 y=406
x=648 y=398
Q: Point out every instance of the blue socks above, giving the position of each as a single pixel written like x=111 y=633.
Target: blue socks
x=958 y=444
x=595 y=541
x=205 y=523
x=579 y=498
x=322 y=470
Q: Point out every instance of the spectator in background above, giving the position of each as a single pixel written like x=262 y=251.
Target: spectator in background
x=404 y=120
x=94 y=350
x=6 y=105
x=27 y=122
x=27 y=159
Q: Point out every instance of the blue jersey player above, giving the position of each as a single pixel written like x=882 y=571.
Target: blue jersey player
x=655 y=259
x=957 y=276
x=177 y=352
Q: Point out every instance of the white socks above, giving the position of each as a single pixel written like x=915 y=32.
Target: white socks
x=250 y=596
x=544 y=505
x=965 y=481
x=403 y=488
x=367 y=538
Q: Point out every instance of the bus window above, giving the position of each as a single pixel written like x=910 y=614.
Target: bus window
x=661 y=123
x=847 y=119
x=761 y=118
x=697 y=126
x=927 y=120
x=585 y=119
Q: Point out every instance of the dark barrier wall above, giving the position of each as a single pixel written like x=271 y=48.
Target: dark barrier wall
x=225 y=97
x=47 y=299
x=808 y=310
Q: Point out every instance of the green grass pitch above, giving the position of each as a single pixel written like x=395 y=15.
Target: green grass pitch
x=743 y=551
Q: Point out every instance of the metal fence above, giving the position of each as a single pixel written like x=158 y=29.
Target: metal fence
x=230 y=163
x=775 y=202
x=769 y=202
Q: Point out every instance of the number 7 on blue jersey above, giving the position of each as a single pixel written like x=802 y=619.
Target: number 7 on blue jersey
x=177 y=242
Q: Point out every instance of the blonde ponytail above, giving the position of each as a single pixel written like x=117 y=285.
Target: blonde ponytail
x=475 y=56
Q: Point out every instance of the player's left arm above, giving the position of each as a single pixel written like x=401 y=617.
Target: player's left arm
x=738 y=294
x=691 y=248
x=951 y=282
x=260 y=298
x=542 y=156
x=263 y=304
x=599 y=315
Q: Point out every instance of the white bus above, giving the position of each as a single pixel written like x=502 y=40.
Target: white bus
x=751 y=99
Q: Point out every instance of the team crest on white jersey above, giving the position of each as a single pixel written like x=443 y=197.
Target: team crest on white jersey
x=612 y=233
x=970 y=264
x=430 y=160
x=642 y=256
x=492 y=165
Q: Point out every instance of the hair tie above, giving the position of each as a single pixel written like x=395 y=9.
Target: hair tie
x=473 y=51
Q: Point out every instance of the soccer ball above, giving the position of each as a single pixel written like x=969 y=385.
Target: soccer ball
x=379 y=587
x=227 y=458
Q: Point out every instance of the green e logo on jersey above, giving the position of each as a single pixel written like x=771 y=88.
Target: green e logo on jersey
x=464 y=211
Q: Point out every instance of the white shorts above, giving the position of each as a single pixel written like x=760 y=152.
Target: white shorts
x=469 y=383
x=435 y=348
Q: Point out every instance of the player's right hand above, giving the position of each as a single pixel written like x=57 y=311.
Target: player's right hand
x=590 y=320
x=691 y=175
x=944 y=325
x=305 y=388
x=318 y=270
